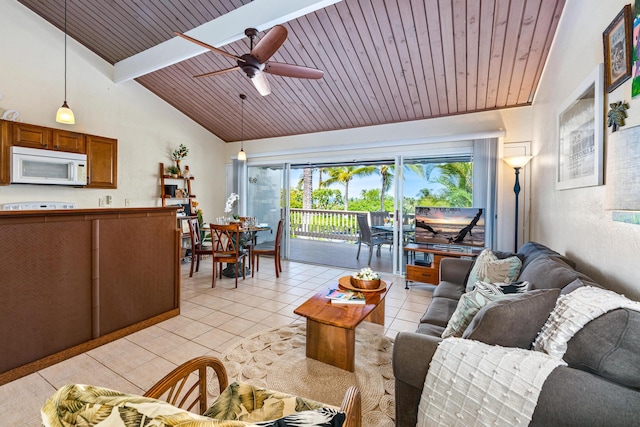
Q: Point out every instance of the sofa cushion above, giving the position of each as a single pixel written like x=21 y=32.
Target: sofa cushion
x=439 y=311
x=449 y=290
x=532 y=250
x=546 y=272
x=609 y=346
x=489 y=268
x=513 y=321
x=469 y=304
x=430 y=329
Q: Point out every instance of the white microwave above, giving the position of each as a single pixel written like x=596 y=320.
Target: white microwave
x=37 y=166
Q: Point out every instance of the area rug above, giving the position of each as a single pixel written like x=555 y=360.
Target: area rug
x=275 y=359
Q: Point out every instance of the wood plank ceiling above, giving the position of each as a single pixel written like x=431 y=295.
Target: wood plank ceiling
x=385 y=61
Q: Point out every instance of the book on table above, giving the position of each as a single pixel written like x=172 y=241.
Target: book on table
x=340 y=296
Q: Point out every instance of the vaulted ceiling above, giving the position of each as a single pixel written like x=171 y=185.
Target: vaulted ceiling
x=385 y=61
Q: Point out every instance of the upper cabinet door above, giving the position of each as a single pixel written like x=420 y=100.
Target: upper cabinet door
x=32 y=136
x=102 y=157
x=73 y=142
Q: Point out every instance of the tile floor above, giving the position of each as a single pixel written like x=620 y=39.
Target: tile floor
x=210 y=321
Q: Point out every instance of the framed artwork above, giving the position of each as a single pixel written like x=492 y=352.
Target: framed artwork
x=617 y=49
x=635 y=85
x=580 y=135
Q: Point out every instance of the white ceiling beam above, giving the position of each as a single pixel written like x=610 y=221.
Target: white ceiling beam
x=259 y=14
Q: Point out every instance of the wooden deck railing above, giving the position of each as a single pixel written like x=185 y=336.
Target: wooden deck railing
x=322 y=224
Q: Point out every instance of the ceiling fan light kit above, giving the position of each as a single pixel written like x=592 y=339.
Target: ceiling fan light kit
x=64 y=113
x=256 y=63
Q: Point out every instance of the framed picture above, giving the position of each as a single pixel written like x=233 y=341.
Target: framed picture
x=617 y=49
x=580 y=135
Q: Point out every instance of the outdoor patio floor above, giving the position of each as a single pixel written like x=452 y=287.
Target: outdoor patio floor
x=340 y=254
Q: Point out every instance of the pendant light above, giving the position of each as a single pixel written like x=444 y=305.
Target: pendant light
x=64 y=114
x=242 y=156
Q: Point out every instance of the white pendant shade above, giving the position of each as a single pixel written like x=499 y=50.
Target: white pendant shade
x=242 y=155
x=65 y=115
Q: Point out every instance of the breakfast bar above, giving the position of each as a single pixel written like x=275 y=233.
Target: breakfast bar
x=74 y=279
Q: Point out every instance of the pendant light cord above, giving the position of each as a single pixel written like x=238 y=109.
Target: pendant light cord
x=65 y=50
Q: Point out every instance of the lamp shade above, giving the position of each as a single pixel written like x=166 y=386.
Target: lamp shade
x=65 y=115
x=517 y=161
x=242 y=155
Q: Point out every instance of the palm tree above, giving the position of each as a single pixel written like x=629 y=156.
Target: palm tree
x=386 y=172
x=307 y=187
x=457 y=181
x=344 y=174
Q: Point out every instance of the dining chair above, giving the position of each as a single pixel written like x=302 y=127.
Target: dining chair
x=268 y=248
x=368 y=238
x=197 y=249
x=227 y=248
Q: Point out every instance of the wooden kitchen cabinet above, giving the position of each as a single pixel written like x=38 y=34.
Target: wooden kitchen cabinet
x=32 y=136
x=4 y=153
x=102 y=158
x=72 y=142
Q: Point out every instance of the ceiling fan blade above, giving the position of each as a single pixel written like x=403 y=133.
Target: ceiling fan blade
x=215 y=73
x=290 y=70
x=261 y=83
x=211 y=48
x=270 y=43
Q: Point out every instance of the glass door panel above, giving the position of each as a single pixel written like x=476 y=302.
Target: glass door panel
x=265 y=197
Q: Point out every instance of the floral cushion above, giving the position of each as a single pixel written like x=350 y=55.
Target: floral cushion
x=245 y=402
x=489 y=268
x=86 y=405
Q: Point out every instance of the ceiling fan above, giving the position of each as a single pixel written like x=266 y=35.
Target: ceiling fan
x=256 y=63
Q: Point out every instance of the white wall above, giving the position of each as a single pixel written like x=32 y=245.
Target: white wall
x=147 y=128
x=575 y=221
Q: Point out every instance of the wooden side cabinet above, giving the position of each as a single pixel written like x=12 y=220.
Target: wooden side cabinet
x=102 y=158
x=430 y=273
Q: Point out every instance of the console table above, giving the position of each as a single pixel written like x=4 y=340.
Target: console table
x=430 y=273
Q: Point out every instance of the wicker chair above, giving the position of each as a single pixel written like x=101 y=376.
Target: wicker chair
x=179 y=388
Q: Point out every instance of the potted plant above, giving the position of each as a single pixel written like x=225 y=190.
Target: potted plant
x=179 y=154
x=173 y=171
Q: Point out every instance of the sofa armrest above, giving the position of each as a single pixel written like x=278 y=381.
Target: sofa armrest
x=455 y=269
x=412 y=353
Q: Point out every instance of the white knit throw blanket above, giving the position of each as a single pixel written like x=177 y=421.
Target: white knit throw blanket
x=474 y=384
x=572 y=312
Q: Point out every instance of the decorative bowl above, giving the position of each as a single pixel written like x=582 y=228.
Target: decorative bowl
x=364 y=284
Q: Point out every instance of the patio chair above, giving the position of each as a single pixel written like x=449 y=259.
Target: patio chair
x=368 y=238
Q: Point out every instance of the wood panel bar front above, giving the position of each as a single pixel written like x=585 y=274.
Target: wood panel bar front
x=72 y=280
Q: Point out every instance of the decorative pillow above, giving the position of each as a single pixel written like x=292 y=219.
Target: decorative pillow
x=323 y=417
x=505 y=288
x=468 y=305
x=489 y=268
x=513 y=321
x=87 y=405
x=245 y=402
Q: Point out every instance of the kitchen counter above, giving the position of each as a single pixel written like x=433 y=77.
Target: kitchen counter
x=76 y=279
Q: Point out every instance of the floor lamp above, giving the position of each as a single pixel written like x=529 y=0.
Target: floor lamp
x=517 y=163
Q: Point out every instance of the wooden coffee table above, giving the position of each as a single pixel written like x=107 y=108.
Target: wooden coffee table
x=331 y=328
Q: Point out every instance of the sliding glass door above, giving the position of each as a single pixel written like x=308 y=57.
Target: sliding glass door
x=265 y=197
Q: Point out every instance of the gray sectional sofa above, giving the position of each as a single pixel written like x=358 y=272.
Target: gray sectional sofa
x=599 y=387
